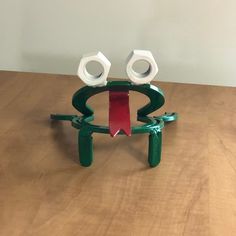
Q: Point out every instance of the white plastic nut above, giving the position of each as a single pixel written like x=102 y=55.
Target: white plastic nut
x=145 y=77
x=94 y=80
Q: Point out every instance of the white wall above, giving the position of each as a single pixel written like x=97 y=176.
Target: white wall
x=192 y=41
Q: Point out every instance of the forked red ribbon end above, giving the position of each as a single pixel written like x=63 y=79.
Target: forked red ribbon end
x=119 y=113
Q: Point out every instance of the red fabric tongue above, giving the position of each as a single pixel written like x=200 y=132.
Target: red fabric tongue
x=119 y=114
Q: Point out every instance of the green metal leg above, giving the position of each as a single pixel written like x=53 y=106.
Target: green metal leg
x=85 y=143
x=154 y=149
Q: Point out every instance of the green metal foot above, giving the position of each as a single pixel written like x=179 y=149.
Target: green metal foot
x=154 y=148
x=85 y=144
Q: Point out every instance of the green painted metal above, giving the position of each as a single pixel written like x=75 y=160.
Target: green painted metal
x=168 y=117
x=85 y=143
x=154 y=148
x=155 y=95
x=153 y=125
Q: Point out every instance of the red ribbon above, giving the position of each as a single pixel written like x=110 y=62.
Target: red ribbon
x=119 y=113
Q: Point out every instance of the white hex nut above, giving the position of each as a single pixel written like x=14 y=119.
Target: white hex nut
x=141 y=78
x=94 y=80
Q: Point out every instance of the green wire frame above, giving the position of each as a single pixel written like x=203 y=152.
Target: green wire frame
x=153 y=125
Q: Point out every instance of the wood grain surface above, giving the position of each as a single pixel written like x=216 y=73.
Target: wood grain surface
x=44 y=191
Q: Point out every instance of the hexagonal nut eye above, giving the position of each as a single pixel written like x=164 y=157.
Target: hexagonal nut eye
x=94 y=80
x=147 y=76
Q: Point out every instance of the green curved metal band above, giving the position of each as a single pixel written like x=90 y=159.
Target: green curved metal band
x=79 y=122
x=156 y=122
x=155 y=95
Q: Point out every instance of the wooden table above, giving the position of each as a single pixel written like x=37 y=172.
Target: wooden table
x=44 y=191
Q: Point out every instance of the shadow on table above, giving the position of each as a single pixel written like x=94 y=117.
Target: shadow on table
x=136 y=151
x=128 y=145
x=65 y=140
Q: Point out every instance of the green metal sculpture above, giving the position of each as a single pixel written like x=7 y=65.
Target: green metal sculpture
x=118 y=123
